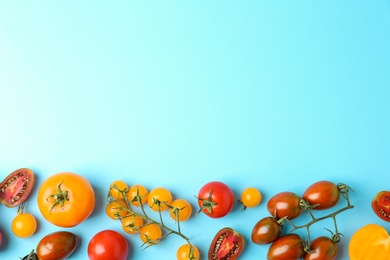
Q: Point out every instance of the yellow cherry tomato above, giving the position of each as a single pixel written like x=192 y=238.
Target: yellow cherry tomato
x=24 y=225
x=116 y=187
x=250 y=197
x=116 y=209
x=140 y=191
x=131 y=224
x=186 y=252
x=150 y=234
x=181 y=210
x=158 y=198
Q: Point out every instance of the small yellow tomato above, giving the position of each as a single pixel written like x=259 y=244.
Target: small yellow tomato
x=158 y=199
x=181 y=210
x=137 y=191
x=250 y=197
x=150 y=234
x=116 y=209
x=131 y=224
x=24 y=225
x=186 y=252
x=116 y=188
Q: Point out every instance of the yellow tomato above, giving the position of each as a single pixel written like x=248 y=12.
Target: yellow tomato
x=150 y=234
x=24 y=225
x=131 y=224
x=181 y=210
x=158 y=199
x=116 y=188
x=187 y=252
x=137 y=190
x=116 y=209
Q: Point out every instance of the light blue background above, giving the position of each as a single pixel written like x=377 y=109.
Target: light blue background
x=271 y=94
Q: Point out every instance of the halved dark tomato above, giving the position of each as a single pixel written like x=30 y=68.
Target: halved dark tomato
x=57 y=246
x=16 y=187
x=227 y=244
x=381 y=205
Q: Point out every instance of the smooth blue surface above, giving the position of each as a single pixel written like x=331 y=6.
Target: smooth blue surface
x=271 y=94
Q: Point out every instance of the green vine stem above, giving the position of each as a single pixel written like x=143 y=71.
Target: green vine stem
x=146 y=218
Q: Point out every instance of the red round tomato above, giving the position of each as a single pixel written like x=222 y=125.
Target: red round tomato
x=285 y=204
x=381 y=205
x=57 y=246
x=16 y=187
x=227 y=244
x=322 y=195
x=322 y=248
x=215 y=199
x=286 y=247
x=266 y=231
x=108 y=244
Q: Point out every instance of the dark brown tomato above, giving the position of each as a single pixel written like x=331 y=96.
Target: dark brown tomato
x=322 y=195
x=284 y=204
x=227 y=244
x=381 y=205
x=57 y=246
x=16 y=187
x=323 y=248
x=266 y=231
x=289 y=247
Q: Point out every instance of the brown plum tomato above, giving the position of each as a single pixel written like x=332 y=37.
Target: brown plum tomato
x=322 y=195
x=381 y=205
x=108 y=244
x=16 y=187
x=266 y=231
x=284 y=204
x=215 y=199
x=226 y=244
x=322 y=248
x=57 y=246
x=289 y=247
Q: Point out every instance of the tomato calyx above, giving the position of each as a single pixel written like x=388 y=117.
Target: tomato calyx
x=60 y=198
x=31 y=256
x=207 y=204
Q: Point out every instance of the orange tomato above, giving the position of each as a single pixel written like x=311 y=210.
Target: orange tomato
x=66 y=199
x=116 y=188
x=138 y=190
x=132 y=223
x=116 y=209
x=150 y=234
x=369 y=242
x=181 y=210
x=186 y=252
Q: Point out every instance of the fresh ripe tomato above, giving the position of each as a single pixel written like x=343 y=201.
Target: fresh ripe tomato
x=215 y=199
x=116 y=188
x=108 y=244
x=322 y=195
x=24 y=225
x=369 y=242
x=116 y=209
x=140 y=192
x=158 y=198
x=266 y=231
x=150 y=234
x=250 y=197
x=381 y=205
x=57 y=246
x=285 y=204
x=66 y=199
x=323 y=248
x=1 y=238
x=16 y=187
x=132 y=223
x=187 y=252
x=181 y=210
x=289 y=247
x=226 y=244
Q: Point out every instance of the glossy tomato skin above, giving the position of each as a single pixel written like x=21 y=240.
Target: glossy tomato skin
x=108 y=244
x=324 y=194
x=284 y=204
x=323 y=248
x=216 y=199
x=16 y=187
x=266 y=231
x=226 y=244
x=381 y=205
x=289 y=247
x=57 y=246
x=78 y=199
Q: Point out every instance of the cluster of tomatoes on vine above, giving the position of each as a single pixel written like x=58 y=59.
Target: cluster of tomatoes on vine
x=284 y=207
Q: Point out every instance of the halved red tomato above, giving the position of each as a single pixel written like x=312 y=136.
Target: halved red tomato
x=16 y=187
x=381 y=205
x=227 y=244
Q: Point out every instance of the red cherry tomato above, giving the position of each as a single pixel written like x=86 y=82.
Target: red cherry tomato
x=266 y=231
x=16 y=187
x=108 y=244
x=284 y=204
x=286 y=247
x=381 y=205
x=322 y=195
x=226 y=244
x=323 y=248
x=215 y=199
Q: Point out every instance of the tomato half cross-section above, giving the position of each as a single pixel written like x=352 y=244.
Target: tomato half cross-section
x=226 y=244
x=66 y=199
x=381 y=205
x=16 y=187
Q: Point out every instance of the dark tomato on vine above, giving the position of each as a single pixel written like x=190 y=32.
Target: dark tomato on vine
x=227 y=244
x=16 y=187
x=323 y=248
x=322 y=195
x=266 y=231
x=108 y=244
x=57 y=246
x=284 y=204
x=289 y=247
x=381 y=205
x=215 y=199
